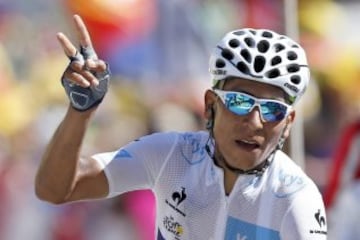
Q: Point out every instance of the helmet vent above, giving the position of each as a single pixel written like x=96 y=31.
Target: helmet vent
x=241 y=66
x=275 y=60
x=292 y=55
x=250 y=42
x=226 y=53
x=259 y=63
x=267 y=34
x=293 y=68
x=263 y=46
x=220 y=63
x=279 y=47
x=295 y=79
x=274 y=73
x=239 y=33
x=261 y=55
x=234 y=43
x=246 y=55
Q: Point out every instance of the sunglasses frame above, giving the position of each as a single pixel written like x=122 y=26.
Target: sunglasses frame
x=257 y=103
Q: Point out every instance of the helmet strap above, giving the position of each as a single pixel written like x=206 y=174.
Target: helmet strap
x=257 y=170
x=282 y=138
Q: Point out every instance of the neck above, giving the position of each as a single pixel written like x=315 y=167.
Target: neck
x=257 y=170
x=229 y=180
x=231 y=173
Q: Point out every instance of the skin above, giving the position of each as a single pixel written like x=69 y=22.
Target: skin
x=65 y=176
x=229 y=129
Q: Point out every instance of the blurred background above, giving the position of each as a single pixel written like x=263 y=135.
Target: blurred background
x=158 y=51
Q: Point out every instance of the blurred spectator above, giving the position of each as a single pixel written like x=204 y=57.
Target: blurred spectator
x=343 y=190
x=345 y=213
x=345 y=166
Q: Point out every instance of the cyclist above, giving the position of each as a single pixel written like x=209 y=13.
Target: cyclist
x=229 y=182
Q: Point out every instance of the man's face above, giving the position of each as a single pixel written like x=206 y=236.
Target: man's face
x=245 y=141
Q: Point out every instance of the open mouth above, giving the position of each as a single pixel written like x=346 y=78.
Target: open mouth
x=247 y=145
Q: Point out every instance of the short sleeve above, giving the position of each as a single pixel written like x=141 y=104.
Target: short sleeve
x=138 y=164
x=306 y=217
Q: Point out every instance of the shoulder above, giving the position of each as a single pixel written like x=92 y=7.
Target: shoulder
x=181 y=138
x=288 y=178
x=192 y=146
x=183 y=141
x=191 y=138
x=304 y=211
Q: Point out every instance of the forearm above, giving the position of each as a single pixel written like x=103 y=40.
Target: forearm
x=62 y=176
x=57 y=175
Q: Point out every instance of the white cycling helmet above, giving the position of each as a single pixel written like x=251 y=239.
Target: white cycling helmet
x=263 y=56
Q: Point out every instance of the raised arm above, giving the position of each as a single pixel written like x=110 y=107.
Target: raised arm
x=63 y=175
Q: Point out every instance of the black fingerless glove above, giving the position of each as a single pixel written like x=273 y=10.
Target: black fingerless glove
x=81 y=98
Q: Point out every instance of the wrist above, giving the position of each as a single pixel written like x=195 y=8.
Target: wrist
x=73 y=112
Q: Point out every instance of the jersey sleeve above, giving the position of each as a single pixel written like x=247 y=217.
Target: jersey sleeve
x=137 y=165
x=306 y=217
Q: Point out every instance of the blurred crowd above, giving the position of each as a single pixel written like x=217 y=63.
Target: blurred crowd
x=158 y=52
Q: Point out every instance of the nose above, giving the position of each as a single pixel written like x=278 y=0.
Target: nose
x=254 y=119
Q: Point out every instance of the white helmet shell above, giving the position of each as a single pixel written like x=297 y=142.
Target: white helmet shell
x=263 y=56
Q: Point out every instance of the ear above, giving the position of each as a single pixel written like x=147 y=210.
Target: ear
x=209 y=99
x=289 y=121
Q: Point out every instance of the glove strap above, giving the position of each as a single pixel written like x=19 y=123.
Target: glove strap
x=83 y=99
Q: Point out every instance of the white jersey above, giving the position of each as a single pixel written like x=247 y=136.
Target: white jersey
x=283 y=203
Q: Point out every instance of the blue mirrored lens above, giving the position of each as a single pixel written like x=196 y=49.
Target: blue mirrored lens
x=238 y=103
x=242 y=104
x=273 y=111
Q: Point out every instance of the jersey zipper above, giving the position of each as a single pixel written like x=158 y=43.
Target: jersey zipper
x=225 y=204
x=224 y=208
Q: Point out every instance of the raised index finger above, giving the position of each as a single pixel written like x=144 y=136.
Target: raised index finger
x=82 y=32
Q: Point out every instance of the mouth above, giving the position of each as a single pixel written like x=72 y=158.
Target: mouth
x=248 y=145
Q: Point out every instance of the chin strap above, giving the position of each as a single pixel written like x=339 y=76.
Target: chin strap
x=257 y=170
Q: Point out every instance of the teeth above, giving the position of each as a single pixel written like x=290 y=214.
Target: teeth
x=248 y=142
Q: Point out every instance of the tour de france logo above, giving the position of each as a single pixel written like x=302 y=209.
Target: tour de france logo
x=171 y=225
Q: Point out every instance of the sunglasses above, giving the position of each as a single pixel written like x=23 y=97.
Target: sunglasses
x=241 y=104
